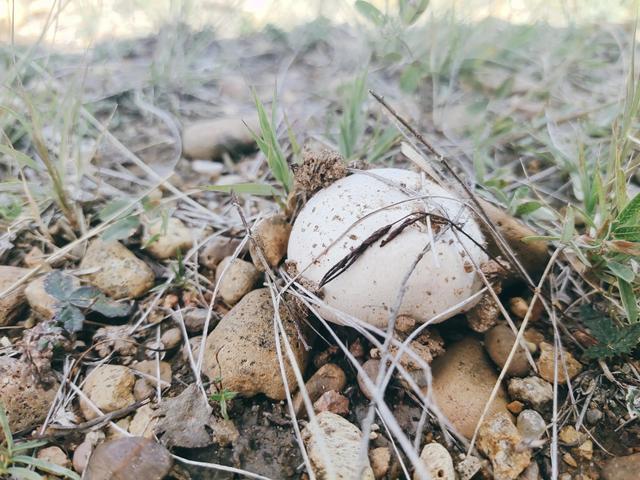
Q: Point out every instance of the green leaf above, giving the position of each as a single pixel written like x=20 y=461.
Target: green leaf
x=612 y=340
x=22 y=159
x=23 y=473
x=71 y=318
x=59 y=285
x=410 y=77
x=110 y=308
x=121 y=229
x=245 y=188
x=370 y=12
x=621 y=271
x=410 y=10
x=629 y=300
x=569 y=226
x=28 y=445
x=112 y=207
x=630 y=213
x=46 y=466
x=4 y=423
x=95 y=300
x=83 y=297
x=527 y=208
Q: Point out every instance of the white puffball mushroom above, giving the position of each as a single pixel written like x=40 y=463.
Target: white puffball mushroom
x=337 y=219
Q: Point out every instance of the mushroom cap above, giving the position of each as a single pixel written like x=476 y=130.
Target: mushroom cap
x=339 y=218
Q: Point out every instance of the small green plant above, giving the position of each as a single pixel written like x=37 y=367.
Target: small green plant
x=72 y=303
x=352 y=122
x=130 y=220
x=612 y=340
x=222 y=396
x=15 y=462
x=268 y=144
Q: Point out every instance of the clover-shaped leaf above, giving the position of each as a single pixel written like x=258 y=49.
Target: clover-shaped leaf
x=59 y=285
x=70 y=317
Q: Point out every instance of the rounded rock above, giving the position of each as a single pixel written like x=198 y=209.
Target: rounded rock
x=109 y=387
x=333 y=444
x=242 y=350
x=118 y=272
x=216 y=250
x=165 y=240
x=171 y=338
x=437 y=462
x=271 y=237
x=342 y=217
x=532 y=390
x=498 y=341
x=328 y=377
x=380 y=459
x=531 y=425
x=238 y=279
x=463 y=379
x=210 y=138
x=81 y=456
x=371 y=368
x=54 y=455
x=25 y=400
x=546 y=363
x=10 y=304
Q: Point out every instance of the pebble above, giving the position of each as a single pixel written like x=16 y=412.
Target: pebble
x=468 y=467
x=216 y=250
x=109 y=387
x=150 y=370
x=570 y=436
x=194 y=342
x=164 y=240
x=500 y=441
x=119 y=273
x=129 y=457
x=54 y=455
x=195 y=319
x=143 y=422
x=531 y=390
x=463 y=379
x=25 y=401
x=569 y=460
x=243 y=348
x=498 y=341
x=171 y=338
x=380 y=459
x=484 y=314
x=11 y=303
x=81 y=456
x=271 y=237
x=586 y=450
x=437 y=463
x=531 y=425
x=515 y=407
x=371 y=368
x=142 y=390
x=210 y=138
x=593 y=416
x=333 y=402
x=328 y=377
x=622 y=468
x=337 y=457
x=532 y=472
x=41 y=302
x=545 y=364
x=238 y=280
